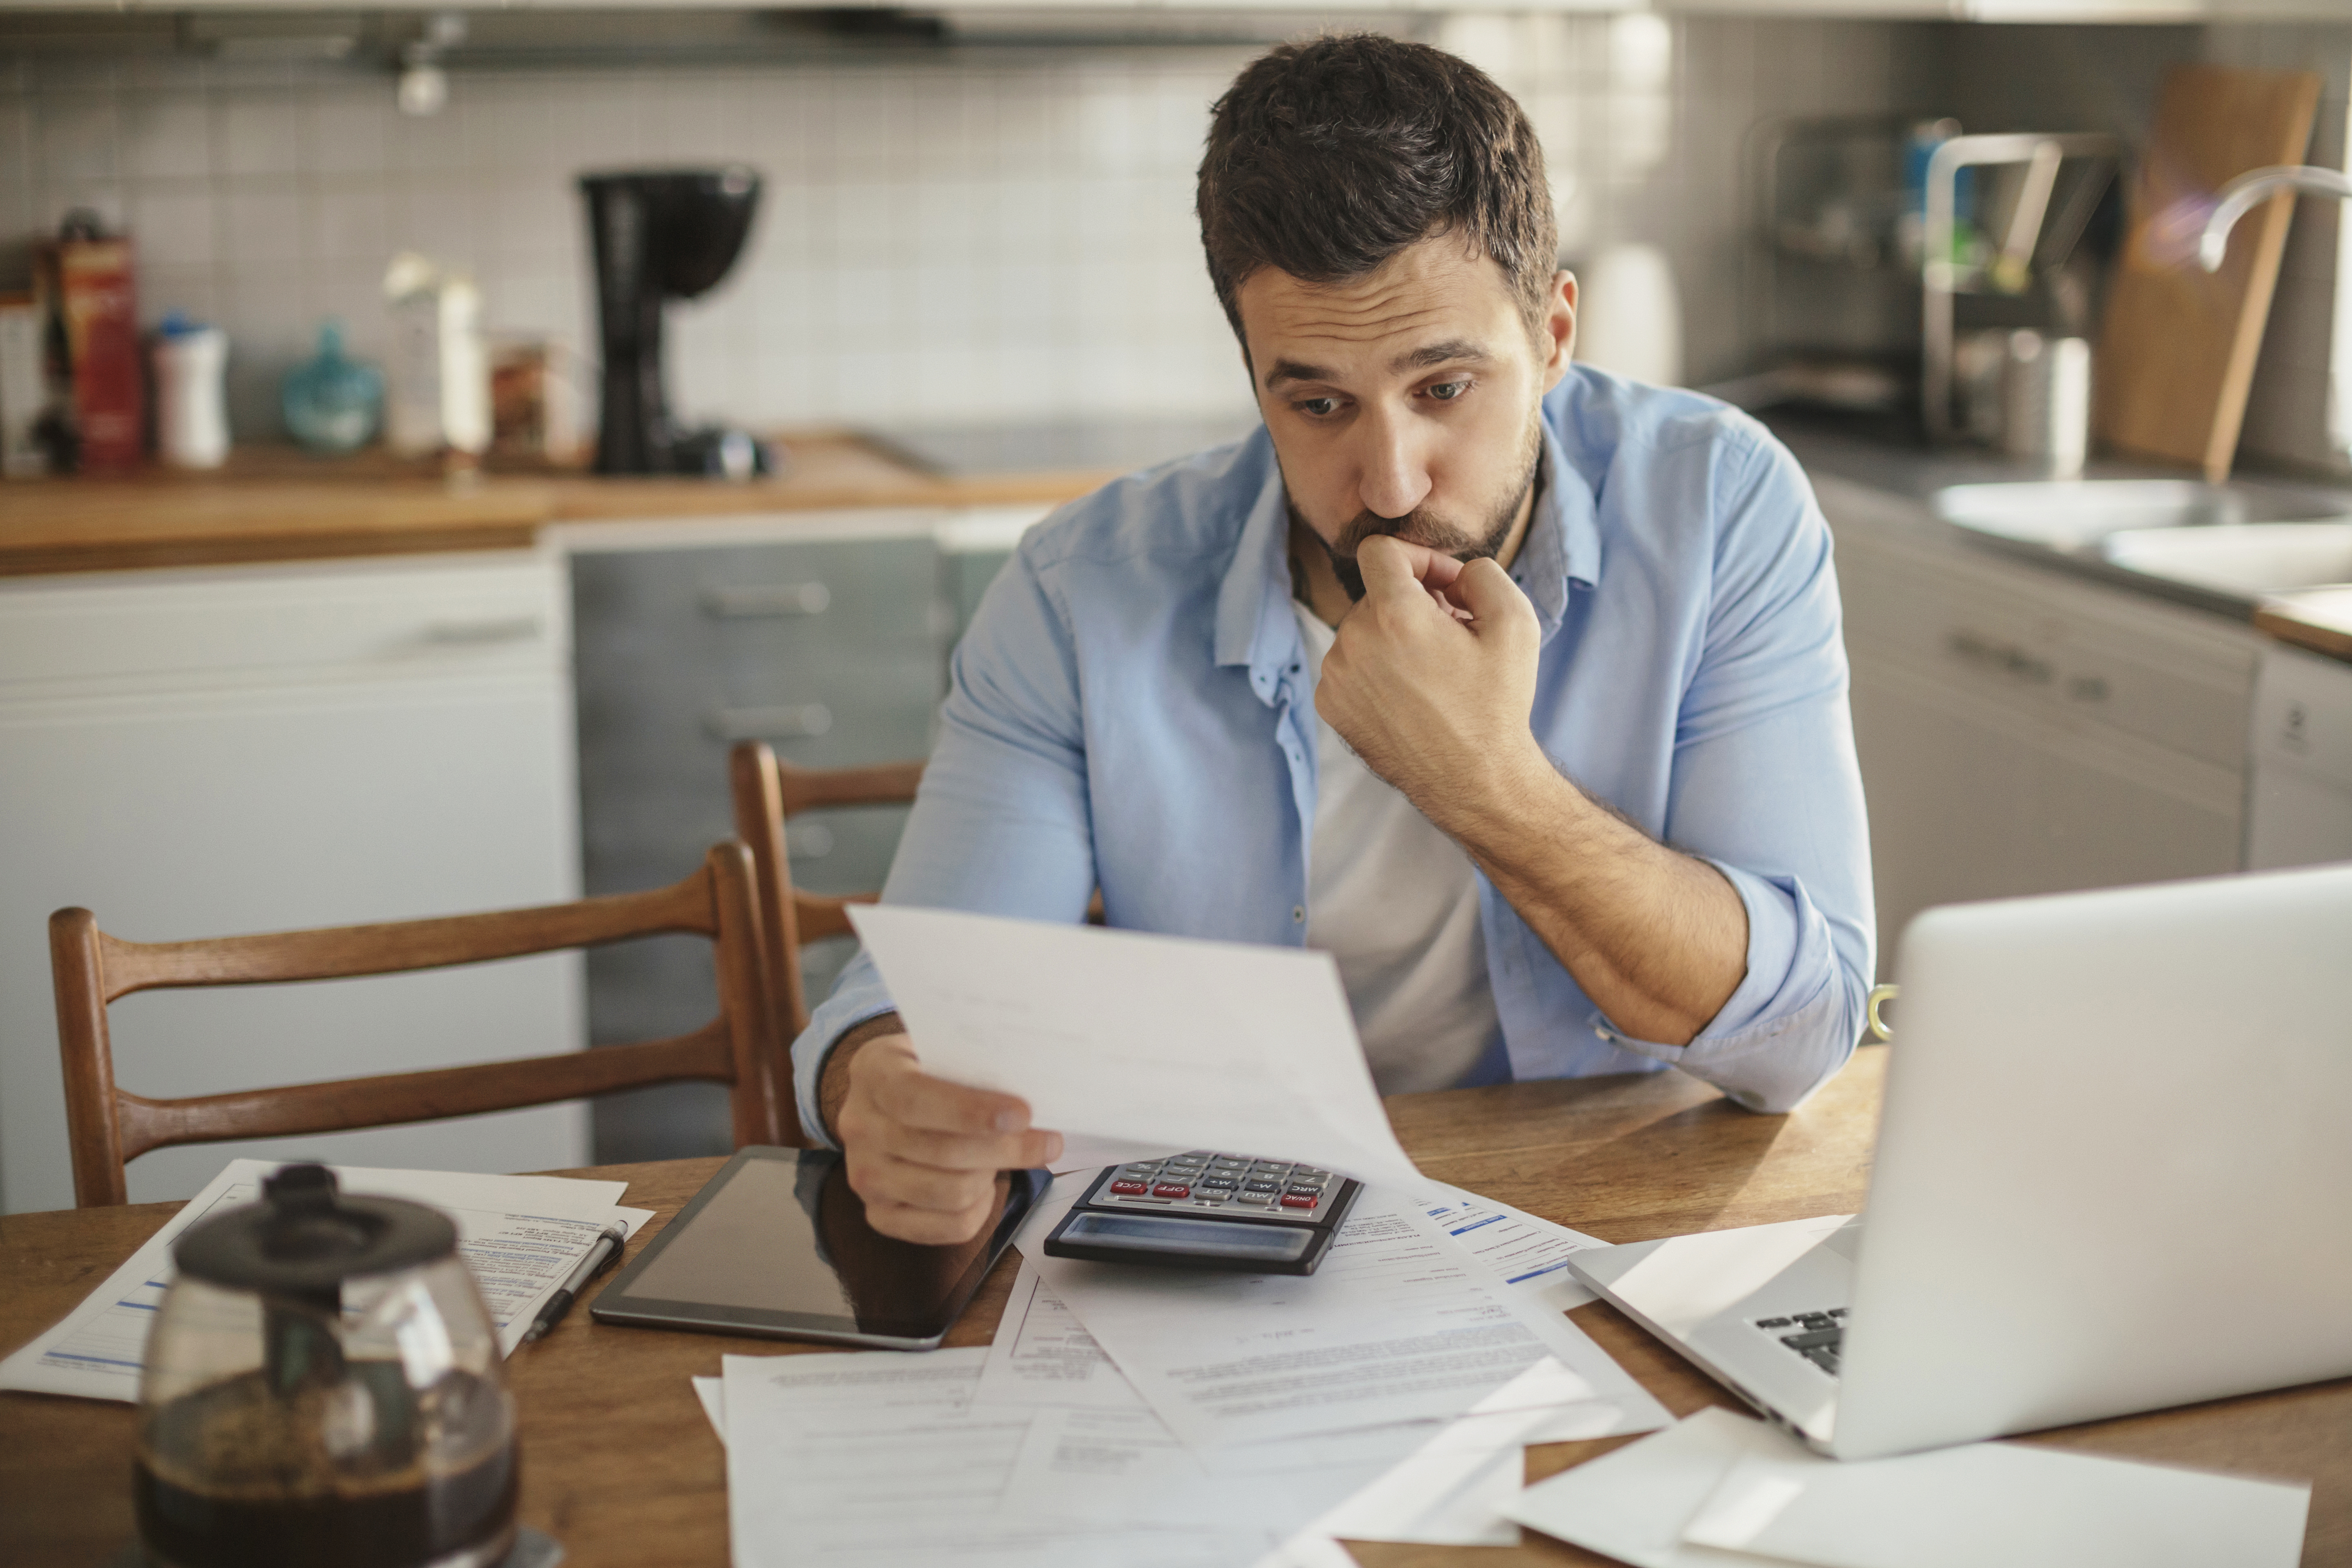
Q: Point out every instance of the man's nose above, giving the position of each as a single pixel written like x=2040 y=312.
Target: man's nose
x=1391 y=472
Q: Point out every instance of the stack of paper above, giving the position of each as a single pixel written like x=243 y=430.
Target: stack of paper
x=521 y=1236
x=1139 y=1415
x=1208 y=1417
x=1719 y=1490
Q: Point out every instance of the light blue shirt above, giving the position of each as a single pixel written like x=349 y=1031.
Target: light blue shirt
x=1128 y=711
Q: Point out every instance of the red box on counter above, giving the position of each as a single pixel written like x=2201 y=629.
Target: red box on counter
x=100 y=303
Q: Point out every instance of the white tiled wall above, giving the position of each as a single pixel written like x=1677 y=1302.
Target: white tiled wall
x=938 y=242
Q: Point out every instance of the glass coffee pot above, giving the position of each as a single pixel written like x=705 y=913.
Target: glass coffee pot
x=322 y=1386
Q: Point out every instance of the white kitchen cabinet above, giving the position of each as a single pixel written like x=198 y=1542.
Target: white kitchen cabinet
x=218 y=751
x=2022 y=732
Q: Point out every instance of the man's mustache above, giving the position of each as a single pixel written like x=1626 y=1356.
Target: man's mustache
x=1416 y=527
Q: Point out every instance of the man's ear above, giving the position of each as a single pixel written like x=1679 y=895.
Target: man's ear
x=1559 y=329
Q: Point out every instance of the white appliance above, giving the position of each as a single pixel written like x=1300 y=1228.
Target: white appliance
x=2111 y=1176
x=218 y=751
x=2299 y=789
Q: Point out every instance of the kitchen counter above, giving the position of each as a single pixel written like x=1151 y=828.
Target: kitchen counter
x=278 y=504
x=1869 y=452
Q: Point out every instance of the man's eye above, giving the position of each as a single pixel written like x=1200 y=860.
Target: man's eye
x=1447 y=391
x=1317 y=408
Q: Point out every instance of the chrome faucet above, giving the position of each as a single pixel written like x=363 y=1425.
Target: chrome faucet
x=2239 y=196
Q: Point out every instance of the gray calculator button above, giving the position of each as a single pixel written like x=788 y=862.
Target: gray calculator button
x=1258 y=1186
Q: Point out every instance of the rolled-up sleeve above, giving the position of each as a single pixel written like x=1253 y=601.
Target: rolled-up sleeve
x=1767 y=789
x=1000 y=825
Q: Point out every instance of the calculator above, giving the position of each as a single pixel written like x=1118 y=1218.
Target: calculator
x=1208 y=1210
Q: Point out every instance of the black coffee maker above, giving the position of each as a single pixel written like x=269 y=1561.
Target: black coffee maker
x=662 y=235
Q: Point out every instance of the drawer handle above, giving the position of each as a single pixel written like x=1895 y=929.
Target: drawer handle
x=790 y=720
x=474 y=634
x=2002 y=658
x=733 y=602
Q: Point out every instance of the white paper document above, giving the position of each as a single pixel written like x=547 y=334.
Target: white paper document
x=521 y=1235
x=884 y=1460
x=1451 y=1490
x=1043 y=1355
x=1633 y=1504
x=2018 y=1505
x=1157 y=1040
x=1400 y=1324
x=1530 y=1254
x=1719 y=1489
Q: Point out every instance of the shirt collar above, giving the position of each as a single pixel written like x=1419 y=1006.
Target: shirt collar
x=1254 y=625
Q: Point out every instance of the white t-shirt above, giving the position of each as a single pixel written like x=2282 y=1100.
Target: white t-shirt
x=1395 y=902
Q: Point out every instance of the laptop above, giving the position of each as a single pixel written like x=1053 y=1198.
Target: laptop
x=2113 y=1173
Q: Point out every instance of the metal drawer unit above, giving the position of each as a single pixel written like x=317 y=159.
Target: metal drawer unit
x=833 y=651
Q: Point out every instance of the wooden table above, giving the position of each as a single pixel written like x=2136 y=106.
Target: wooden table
x=620 y=1466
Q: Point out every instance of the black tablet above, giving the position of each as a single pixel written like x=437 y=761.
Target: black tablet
x=777 y=1244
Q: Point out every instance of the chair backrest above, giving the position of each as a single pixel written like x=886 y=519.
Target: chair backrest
x=766 y=793
x=740 y=1048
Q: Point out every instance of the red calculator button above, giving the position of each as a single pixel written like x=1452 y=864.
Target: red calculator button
x=1132 y=1187
x=1298 y=1201
x=1172 y=1190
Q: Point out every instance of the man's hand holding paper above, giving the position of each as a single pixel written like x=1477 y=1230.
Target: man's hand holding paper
x=1159 y=1039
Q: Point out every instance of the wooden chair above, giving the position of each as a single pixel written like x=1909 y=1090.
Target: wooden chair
x=111 y=1126
x=767 y=793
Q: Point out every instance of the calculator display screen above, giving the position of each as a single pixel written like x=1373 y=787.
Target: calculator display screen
x=1186 y=1235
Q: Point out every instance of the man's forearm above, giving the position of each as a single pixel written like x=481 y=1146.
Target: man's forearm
x=1657 y=938
x=833 y=1085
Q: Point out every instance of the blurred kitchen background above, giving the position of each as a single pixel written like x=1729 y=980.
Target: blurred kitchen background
x=980 y=217
x=246 y=687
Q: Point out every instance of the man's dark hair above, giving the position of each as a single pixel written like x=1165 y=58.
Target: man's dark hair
x=1327 y=158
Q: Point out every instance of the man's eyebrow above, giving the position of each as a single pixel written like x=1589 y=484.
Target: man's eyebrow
x=1453 y=350
x=1291 y=370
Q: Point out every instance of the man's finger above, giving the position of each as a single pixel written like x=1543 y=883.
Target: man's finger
x=1487 y=591
x=918 y=1100
x=1388 y=568
x=924 y=1226
x=958 y=1152
x=920 y=1186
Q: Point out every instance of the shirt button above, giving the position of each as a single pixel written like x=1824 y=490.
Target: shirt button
x=1601 y=1034
x=1298 y=914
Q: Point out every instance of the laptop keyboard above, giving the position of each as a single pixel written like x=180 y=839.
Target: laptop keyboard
x=1816 y=1336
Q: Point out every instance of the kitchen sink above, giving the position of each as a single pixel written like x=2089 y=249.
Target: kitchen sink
x=2240 y=559
x=2076 y=514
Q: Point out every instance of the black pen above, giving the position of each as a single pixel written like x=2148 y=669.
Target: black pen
x=607 y=1247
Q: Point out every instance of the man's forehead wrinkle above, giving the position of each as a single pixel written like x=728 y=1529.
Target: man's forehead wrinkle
x=1359 y=327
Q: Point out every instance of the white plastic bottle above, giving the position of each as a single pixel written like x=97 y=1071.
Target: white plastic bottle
x=192 y=413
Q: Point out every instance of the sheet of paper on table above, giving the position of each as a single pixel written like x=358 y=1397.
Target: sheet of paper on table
x=1451 y=1490
x=2019 y=1505
x=883 y=1457
x=1116 y=1481
x=1121 y=1035
x=521 y=1236
x=1682 y=1497
x=1423 y=1328
x=1530 y=1254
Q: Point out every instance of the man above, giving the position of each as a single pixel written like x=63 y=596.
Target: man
x=1430 y=672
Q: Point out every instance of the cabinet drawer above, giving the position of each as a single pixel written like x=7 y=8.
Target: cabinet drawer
x=2074 y=653
x=267 y=622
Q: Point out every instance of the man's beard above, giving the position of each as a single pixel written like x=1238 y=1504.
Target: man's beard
x=1424 y=527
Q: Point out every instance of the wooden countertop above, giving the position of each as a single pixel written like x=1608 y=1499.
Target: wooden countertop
x=278 y=504
x=2317 y=618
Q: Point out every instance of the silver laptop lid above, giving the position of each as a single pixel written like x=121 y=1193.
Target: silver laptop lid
x=2115 y=1166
